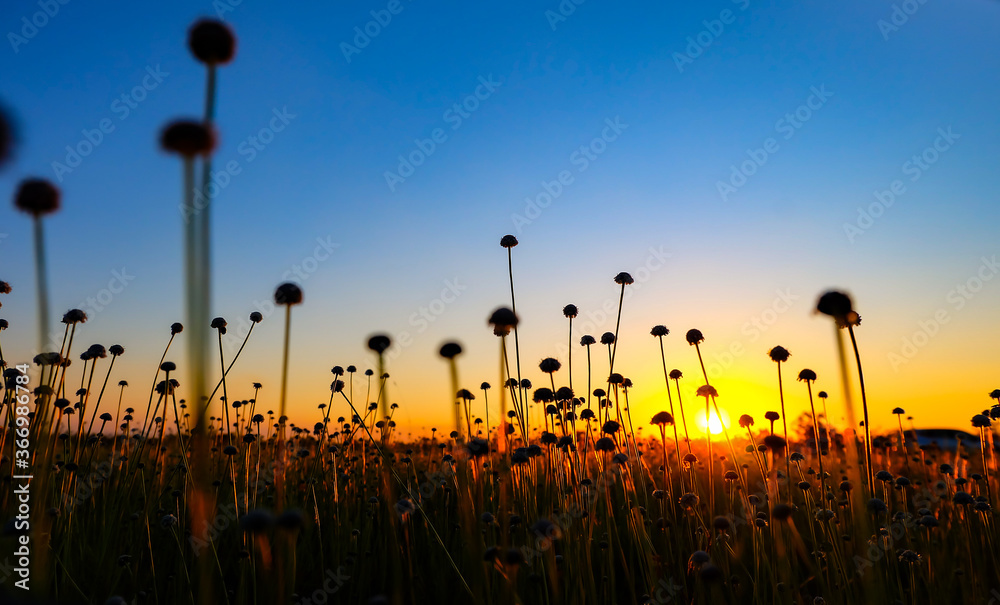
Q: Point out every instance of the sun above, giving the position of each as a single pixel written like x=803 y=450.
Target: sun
x=714 y=424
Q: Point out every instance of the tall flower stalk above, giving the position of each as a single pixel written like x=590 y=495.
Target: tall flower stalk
x=809 y=377
x=449 y=351
x=840 y=307
x=39 y=198
x=779 y=355
x=659 y=332
x=570 y=312
x=508 y=242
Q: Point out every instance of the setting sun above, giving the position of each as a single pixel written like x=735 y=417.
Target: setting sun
x=499 y=303
x=713 y=423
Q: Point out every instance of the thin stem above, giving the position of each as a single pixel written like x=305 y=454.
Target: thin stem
x=41 y=280
x=864 y=405
x=784 y=422
x=517 y=346
x=618 y=323
x=284 y=362
x=225 y=396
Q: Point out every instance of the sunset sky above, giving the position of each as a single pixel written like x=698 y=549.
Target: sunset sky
x=736 y=157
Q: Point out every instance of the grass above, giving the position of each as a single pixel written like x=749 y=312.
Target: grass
x=561 y=499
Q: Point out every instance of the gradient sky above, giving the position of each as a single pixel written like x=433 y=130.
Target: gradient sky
x=697 y=89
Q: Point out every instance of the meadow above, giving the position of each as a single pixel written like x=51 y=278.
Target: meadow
x=171 y=488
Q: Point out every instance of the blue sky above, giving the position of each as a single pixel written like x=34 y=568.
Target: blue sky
x=687 y=114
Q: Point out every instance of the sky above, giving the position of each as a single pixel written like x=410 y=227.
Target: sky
x=738 y=158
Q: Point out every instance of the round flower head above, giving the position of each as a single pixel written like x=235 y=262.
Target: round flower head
x=288 y=294
x=775 y=443
x=570 y=311
x=543 y=395
x=256 y=317
x=676 y=374
x=898 y=411
x=379 y=343
x=746 y=421
x=503 y=318
x=604 y=444
x=211 y=42
x=689 y=500
x=807 y=375
x=694 y=336
x=176 y=328
x=3 y=324
x=187 y=138
x=74 y=316
x=508 y=241
x=707 y=390
x=822 y=394
x=779 y=354
x=772 y=416
x=37 y=197
x=624 y=279
x=337 y=371
x=219 y=324
x=564 y=393
x=616 y=378
x=450 y=350
x=549 y=365
x=587 y=340
x=981 y=421
x=659 y=331
x=168 y=366
x=837 y=305
x=465 y=394
x=607 y=338
x=4 y=287
x=662 y=418
x=116 y=350
x=485 y=386
x=97 y=352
